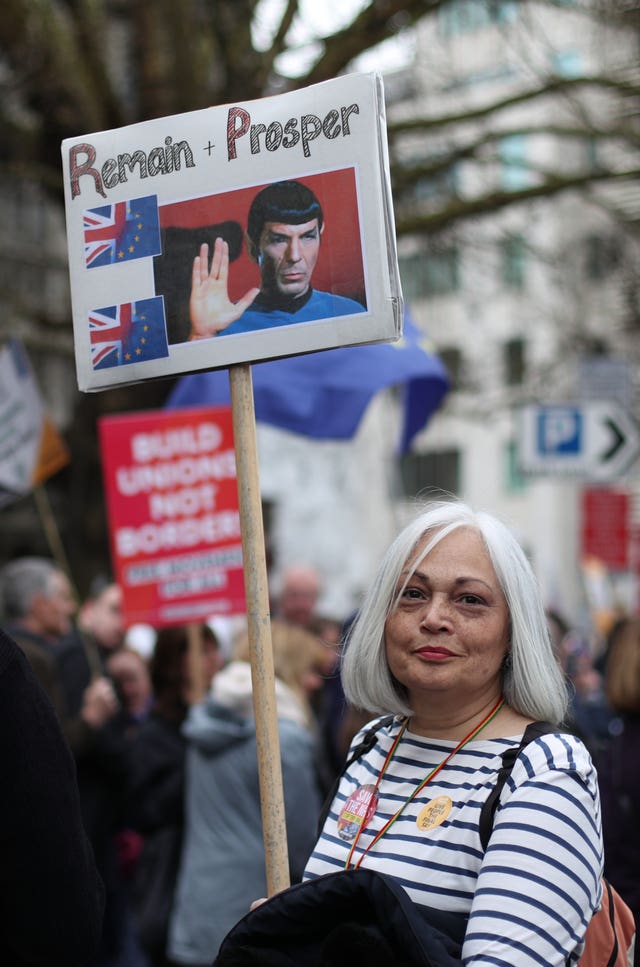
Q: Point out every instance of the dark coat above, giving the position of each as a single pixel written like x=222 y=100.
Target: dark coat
x=51 y=897
x=158 y=755
x=351 y=917
x=619 y=780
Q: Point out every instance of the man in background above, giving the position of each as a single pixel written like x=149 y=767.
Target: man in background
x=100 y=632
x=103 y=772
x=300 y=588
x=37 y=606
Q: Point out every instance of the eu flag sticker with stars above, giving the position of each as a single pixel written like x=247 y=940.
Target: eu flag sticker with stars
x=133 y=332
x=121 y=232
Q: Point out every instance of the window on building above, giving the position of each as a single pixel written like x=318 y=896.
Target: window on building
x=451 y=357
x=443 y=185
x=516 y=173
x=442 y=271
x=434 y=176
x=466 y=16
x=435 y=471
x=592 y=154
x=513 y=262
x=567 y=63
x=503 y=11
x=514 y=362
x=515 y=480
x=602 y=256
x=497 y=72
x=430 y=273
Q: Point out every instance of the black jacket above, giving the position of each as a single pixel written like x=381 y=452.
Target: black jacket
x=51 y=896
x=353 y=917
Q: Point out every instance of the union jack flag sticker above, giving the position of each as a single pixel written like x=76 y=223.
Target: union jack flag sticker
x=121 y=232
x=133 y=332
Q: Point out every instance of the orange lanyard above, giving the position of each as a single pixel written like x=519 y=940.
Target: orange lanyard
x=434 y=772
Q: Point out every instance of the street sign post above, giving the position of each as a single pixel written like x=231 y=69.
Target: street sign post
x=592 y=440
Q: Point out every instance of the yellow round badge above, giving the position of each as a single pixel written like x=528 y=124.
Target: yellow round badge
x=434 y=813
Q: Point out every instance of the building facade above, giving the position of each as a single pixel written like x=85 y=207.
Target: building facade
x=533 y=304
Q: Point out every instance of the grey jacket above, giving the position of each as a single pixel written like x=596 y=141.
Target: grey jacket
x=223 y=867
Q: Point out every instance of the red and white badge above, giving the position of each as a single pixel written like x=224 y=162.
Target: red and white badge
x=357 y=812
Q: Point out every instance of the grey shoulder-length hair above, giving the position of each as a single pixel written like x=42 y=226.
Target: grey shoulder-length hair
x=533 y=683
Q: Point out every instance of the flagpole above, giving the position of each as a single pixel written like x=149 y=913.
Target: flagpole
x=259 y=630
x=48 y=521
x=50 y=527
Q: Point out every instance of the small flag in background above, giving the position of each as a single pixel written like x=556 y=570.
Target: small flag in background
x=121 y=232
x=324 y=395
x=133 y=332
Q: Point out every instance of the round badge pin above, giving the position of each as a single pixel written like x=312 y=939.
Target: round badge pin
x=434 y=813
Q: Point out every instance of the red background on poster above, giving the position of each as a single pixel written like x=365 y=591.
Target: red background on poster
x=340 y=264
x=172 y=501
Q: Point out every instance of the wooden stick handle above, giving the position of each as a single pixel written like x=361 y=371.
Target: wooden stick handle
x=259 y=630
x=194 y=652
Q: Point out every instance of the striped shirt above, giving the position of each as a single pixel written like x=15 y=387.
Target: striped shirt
x=530 y=897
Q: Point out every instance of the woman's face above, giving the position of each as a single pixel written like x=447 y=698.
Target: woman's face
x=450 y=630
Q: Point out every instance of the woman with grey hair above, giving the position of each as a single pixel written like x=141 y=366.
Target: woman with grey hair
x=452 y=641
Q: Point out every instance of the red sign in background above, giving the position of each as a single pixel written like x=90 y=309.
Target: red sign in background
x=605 y=526
x=172 y=501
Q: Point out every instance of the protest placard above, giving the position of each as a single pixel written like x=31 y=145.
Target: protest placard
x=224 y=237
x=31 y=449
x=172 y=501
x=232 y=234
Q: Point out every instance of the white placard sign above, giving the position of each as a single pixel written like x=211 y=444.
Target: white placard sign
x=233 y=234
x=31 y=449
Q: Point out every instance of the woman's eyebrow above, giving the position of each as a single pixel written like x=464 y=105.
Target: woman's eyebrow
x=409 y=574
x=463 y=579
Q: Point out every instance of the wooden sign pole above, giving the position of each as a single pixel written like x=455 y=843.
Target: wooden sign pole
x=259 y=630
x=194 y=652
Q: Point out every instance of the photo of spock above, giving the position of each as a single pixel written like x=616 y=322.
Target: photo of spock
x=285 y=228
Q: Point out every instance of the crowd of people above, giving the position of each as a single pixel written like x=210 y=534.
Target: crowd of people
x=133 y=721
x=451 y=650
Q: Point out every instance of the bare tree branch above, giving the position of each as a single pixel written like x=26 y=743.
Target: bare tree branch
x=406 y=175
x=458 y=210
x=278 y=42
x=376 y=22
x=553 y=86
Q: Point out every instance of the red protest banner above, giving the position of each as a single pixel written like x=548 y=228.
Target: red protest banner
x=172 y=501
x=605 y=514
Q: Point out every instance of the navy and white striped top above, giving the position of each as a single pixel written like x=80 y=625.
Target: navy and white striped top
x=531 y=895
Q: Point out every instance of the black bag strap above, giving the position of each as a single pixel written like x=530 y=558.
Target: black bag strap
x=611 y=911
x=366 y=743
x=532 y=732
